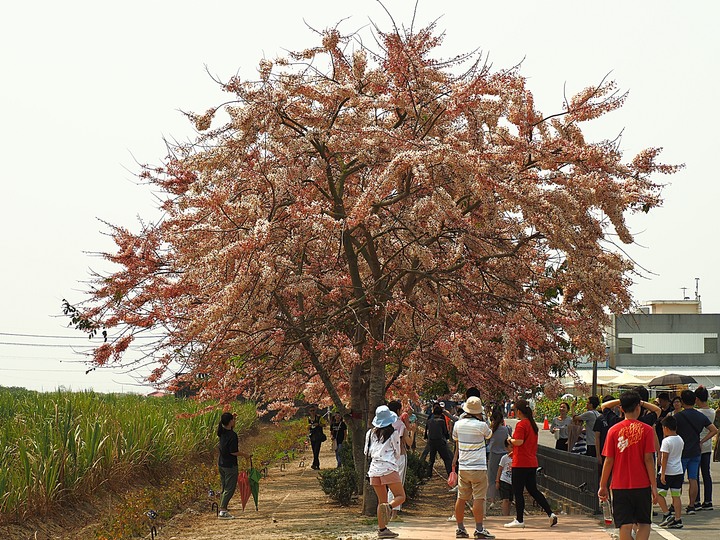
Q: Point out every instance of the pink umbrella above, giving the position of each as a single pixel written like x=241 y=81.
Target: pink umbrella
x=243 y=488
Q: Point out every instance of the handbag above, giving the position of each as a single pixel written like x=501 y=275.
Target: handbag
x=452 y=478
x=323 y=437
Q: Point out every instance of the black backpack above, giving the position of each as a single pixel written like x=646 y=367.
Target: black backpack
x=602 y=425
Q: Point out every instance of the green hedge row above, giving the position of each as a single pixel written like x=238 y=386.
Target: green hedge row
x=341 y=484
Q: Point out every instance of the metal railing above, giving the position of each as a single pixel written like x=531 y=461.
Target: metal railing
x=571 y=477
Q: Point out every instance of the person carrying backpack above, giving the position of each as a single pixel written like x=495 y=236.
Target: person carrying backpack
x=603 y=423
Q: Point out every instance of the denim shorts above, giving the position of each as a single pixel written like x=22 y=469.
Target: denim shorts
x=691 y=465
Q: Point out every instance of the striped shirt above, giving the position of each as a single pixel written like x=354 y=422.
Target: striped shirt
x=470 y=434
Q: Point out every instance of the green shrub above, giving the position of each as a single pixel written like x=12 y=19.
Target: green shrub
x=346 y=455
x=338 y=483
x=418 y=467
x=412 y=484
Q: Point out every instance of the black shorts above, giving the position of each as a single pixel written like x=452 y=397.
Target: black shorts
x=506 y=491
x=632 y=506
x=672 y=482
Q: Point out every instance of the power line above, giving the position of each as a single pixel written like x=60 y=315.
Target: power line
x=43 y=345
x=68 y=337
x=41 y=336
x=59 y=345
x=59 y=358
x=39 y=370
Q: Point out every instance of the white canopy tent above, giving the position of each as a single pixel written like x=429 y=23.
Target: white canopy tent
x=630 y=378
x=609 y=380
x=607 y=377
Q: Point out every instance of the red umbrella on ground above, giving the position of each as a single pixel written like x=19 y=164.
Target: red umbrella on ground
x=243 y=487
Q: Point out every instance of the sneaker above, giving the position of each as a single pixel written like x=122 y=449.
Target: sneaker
x=484 y=533
x=387 y=533
x=515 y=524
x=690 y=510
x=675 y=524
x=451 y=518
x=461 y=533
x=226 y=515
x=553 y=520
x=707 y=506
x=666 y=520
x=698 y=507
x=385 y=512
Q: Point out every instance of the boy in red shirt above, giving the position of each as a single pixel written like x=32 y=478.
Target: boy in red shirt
x=629 y=449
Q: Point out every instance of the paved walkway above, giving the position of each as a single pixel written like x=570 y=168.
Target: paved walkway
x=568 y=527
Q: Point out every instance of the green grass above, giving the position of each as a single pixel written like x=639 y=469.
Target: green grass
x=61 y=444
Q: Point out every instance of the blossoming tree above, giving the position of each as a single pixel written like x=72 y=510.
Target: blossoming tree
x=366 y=220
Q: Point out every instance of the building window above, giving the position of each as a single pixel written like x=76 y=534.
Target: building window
x=711 y=345
x=624 y=345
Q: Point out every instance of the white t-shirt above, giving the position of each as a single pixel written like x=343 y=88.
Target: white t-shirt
x=707 y=445
x=470 y=434
x=384 y=454
x=673 y=446
x=399 y=426
x=506 y=468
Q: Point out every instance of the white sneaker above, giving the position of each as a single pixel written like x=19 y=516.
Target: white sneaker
x=553 y=520
x=451 y=518
x=515 y=524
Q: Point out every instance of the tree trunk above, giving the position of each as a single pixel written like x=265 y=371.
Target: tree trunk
x=361 y=420
x=375 y=397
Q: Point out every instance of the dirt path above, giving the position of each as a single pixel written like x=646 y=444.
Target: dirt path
x=292 y=505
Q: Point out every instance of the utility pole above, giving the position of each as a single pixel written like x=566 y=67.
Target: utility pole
x=594 y=378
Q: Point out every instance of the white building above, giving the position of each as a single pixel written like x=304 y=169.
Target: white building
x=662 y=337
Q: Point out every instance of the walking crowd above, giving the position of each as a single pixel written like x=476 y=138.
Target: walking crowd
x=644 y=453
x=489 y=460
x=648 y=452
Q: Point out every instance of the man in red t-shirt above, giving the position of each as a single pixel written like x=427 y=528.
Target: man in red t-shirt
x=629 y=449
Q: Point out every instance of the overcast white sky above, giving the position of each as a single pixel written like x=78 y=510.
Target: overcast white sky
x=90 y=89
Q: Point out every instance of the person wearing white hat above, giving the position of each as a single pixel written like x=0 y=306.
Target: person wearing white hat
x=382 y=446
x=470 y=434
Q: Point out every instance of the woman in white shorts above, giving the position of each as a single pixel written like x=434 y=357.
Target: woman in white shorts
x=382 y=446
